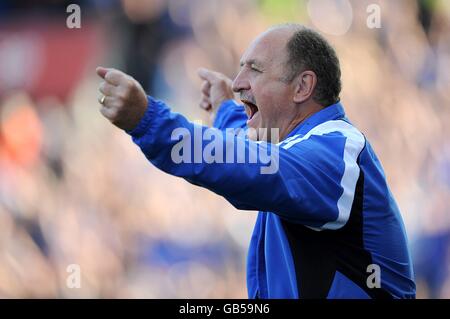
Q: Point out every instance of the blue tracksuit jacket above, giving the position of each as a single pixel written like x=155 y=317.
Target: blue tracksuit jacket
x=328 y=225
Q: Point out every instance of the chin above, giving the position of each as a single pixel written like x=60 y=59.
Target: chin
x=252 y=134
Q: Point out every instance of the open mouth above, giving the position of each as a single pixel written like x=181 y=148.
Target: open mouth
x=251 y=109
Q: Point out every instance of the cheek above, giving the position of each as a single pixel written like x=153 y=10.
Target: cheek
x=272 y=100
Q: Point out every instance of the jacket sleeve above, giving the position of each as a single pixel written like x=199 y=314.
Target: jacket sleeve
x=230 y=115
x=299 y=179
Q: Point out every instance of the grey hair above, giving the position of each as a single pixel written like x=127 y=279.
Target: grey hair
x=308 y=50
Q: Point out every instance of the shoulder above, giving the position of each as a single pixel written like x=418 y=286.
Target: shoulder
x=325 y=132
x=329 y=141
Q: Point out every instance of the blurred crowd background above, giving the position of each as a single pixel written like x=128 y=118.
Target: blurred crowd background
x=76 y=190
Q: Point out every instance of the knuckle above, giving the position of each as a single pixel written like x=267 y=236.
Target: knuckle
x=128 y=83
x=110 y=75
x=106 y=112
x=114 y=114
x=123 y=95
x=221 y=82
x=120 y=103
x=102 y=87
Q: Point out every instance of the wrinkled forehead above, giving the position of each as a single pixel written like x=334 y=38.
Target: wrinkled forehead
x=269 y=48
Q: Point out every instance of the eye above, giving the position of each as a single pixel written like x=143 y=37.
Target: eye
x=254 y=67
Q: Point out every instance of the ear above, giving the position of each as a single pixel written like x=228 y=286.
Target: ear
x=305 y=83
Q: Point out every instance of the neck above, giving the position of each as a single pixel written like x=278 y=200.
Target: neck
x=304 y=112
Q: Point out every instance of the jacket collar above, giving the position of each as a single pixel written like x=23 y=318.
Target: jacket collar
x=332 y=112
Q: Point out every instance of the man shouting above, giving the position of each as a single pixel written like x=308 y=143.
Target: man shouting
x=328 y=225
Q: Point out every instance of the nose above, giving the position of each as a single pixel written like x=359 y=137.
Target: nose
x=240 y=83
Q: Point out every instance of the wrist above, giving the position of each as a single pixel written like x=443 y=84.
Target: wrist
x=144 y=121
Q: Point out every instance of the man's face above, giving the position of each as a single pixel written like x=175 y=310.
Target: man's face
x=268 y=100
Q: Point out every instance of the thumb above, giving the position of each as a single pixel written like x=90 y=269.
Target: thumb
x=207 y=75
x=101 y=71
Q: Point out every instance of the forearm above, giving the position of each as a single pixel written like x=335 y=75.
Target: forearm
x=219 y=160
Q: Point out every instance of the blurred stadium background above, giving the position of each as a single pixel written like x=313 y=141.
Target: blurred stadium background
x=75 y=190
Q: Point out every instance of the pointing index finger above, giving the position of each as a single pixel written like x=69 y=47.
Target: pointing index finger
x=111 y=76
x=207 y=75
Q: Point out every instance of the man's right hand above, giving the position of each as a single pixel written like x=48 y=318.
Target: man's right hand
x=124 y=100
x=216 y=88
